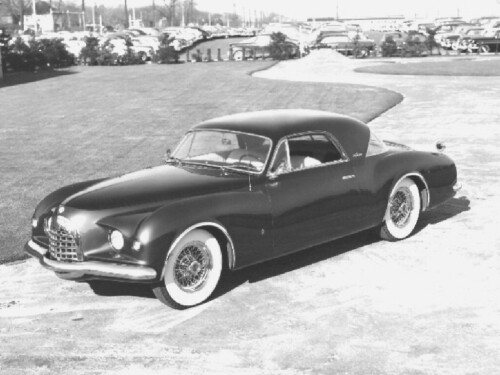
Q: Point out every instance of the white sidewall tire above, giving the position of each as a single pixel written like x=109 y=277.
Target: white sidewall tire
x=484 y=49
x=187 y=298
x=238 y=55
x=390 y=231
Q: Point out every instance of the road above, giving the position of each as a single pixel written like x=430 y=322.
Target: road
x=425 y=305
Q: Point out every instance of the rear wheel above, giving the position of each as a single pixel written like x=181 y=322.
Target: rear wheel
x=238 y=55
x=192 y=271
x=403 y=210
x=484 y=49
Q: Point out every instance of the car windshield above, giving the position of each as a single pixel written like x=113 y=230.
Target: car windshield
x=225 y=149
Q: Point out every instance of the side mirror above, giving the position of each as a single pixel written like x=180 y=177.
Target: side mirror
x=440 y=146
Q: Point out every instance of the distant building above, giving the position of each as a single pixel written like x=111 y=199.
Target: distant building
x=366 y=23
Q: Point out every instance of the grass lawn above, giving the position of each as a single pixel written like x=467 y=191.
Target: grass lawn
x=102 y=121
x=457 y=67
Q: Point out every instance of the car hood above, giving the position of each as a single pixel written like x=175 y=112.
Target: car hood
x=153 y=187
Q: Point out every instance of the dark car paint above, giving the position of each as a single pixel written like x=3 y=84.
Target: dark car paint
x=264 y=216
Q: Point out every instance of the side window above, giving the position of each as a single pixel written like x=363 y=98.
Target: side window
x=304 y=152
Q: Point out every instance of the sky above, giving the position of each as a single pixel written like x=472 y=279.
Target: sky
x=346 y=8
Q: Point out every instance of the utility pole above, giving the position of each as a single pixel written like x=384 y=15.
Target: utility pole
x=126 y=15
x=83 y=13
x=154 y=14
x=34 y=16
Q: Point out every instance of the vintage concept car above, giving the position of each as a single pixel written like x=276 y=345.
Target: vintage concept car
x=237 y=190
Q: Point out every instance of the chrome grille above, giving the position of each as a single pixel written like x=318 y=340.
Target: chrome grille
x=63 y=246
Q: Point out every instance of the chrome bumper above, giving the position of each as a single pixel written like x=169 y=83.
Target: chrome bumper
x=79 y=270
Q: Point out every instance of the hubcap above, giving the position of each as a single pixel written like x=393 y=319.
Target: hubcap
x=401 y=207
x=192 y=266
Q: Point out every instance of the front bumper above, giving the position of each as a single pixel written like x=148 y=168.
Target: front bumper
x=90 y=269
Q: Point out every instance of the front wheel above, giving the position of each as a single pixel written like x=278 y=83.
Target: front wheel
x=403 y=210
x=361 y=53
x=192 y=271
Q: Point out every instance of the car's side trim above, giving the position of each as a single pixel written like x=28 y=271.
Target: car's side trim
x=77 y=270
x=425 y=198
x=231 y=257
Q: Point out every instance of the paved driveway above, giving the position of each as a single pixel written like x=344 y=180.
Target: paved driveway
x=426 y=305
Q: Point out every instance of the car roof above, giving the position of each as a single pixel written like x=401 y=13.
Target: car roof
x=276 y=124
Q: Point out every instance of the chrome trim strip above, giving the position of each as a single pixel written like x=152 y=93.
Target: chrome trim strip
x=230 y=250
x=90 y=268
x=348 y=177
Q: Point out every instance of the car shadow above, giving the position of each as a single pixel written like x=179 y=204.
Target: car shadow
x=262 y=271
x=114 y=288
x=443 y=212
x=19 y=78
x=332 y=249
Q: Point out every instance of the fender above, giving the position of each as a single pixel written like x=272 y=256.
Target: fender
x=242 y=216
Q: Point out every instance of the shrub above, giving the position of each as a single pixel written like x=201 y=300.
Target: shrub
x=167 y=55
x=389 y=47
x=280 y=49
x=90 y=53
x=95 y=54
x=38 y=54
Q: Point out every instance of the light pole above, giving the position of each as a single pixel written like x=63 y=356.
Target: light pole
x=154 y=14
x=34 y=16
x=126 y=15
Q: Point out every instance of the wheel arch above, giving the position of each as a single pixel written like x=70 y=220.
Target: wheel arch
x=422 y=185
x=215 y=229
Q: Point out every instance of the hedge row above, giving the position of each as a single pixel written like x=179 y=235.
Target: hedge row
x=47 y=54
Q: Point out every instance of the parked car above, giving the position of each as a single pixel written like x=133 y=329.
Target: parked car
x=237 y=190
x=260 y=46
x=462 y=44
x=485 y=43
x=412 y=43
x=359 y=47
x=451 y=40
x=120 y=44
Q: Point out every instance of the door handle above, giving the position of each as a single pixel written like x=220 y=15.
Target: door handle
x=348 y=177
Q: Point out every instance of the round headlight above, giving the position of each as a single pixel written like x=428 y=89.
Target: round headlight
x=116 y=240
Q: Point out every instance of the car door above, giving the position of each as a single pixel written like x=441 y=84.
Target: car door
x=313 y=192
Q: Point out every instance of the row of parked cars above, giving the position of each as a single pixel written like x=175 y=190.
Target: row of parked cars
x=144 y=42
x=481 y=35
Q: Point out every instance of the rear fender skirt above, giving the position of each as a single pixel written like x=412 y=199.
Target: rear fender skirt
x=422 y=187
x=230 y=246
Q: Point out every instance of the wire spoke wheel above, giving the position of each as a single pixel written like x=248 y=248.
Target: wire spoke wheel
x=403 y=210
x=192 y=266
x=192 y=270
x=401 y=206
